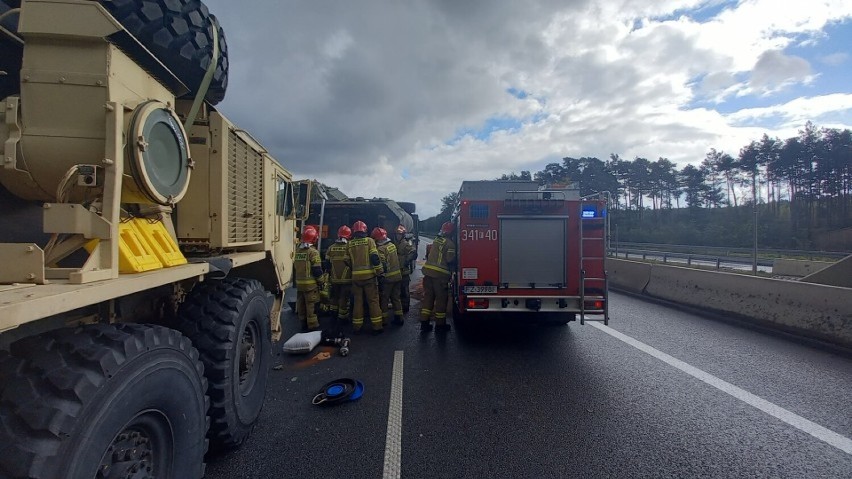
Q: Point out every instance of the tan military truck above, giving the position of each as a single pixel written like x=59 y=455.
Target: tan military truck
x=145 y=243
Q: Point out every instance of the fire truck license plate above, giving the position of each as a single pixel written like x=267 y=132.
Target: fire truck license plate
x=480 y=289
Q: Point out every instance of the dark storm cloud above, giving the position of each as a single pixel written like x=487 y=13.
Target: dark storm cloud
x=331 y=83
x=406 y=99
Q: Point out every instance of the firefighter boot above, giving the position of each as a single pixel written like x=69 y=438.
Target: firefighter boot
x=425 y=326
x=397 y=320
x=442 y=328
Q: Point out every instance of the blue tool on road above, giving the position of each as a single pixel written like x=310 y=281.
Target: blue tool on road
x=337 y=391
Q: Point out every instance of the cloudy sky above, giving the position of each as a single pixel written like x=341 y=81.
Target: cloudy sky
x=405 y=99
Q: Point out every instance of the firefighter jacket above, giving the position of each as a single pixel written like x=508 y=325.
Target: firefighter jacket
x=363 y=257
x=390 y=261
x=441 y=255
x=307 y=268
x=336 y=255
x=407 y=254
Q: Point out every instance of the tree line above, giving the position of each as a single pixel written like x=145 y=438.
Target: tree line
x=801 y=187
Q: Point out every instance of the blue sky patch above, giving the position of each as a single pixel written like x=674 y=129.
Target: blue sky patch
x=519 y=94
x=830 y=62
x=706 y=12
x=496 y=124
x=491 y=126
x=830 y=56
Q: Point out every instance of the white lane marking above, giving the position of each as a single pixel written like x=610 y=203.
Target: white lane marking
x=823 y=434
x=393 y=441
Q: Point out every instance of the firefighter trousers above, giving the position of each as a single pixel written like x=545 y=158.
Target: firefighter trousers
x=391 y=302
x=340 y=299
x=306 y=302
x=435 y=295
x=366 y=290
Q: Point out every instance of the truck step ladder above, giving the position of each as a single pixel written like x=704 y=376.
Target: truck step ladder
x=601 y=280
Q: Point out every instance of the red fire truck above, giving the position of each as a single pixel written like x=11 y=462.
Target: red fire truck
x=525 y=248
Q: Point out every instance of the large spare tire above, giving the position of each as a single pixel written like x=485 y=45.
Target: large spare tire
x=179 y=34
x=11 y=52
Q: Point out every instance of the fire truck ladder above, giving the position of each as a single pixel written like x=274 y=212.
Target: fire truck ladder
x=602 y=224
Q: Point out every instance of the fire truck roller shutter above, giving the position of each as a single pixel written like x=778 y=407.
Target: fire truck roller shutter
x=532 y=251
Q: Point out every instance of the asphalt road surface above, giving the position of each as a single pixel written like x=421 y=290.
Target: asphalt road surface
x=658 y=393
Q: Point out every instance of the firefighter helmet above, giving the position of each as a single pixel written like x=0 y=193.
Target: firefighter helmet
x=359 y=227
x=379 y=234
x=446 y=228
x=400 y=230
x=344 y=232
x=309 y=234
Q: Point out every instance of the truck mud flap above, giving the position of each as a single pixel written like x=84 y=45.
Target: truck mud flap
x=220 y=266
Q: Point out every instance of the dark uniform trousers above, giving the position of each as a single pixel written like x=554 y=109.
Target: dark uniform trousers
x=340 y=298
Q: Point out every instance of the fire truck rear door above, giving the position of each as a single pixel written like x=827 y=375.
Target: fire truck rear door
x=532 y=251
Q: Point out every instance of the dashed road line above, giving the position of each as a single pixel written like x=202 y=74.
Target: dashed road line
x=393 y=441
x=823 y=434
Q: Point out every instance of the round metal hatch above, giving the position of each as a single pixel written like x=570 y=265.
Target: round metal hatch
x=158 y=154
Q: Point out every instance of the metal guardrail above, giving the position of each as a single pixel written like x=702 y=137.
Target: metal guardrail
x=724 y=251
x=689 y=259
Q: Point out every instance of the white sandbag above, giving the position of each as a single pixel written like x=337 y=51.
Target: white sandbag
x=303 y=342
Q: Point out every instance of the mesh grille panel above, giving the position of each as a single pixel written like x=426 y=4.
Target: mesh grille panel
x=245 y=192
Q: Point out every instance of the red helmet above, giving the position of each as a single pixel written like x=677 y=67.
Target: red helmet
x=344 y=232
x=400 y=230
x=379 y=234
x=359 y=227
x=309 y=234
x=447 y=228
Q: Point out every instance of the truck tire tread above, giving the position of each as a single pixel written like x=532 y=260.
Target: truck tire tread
x=51 y=384
x=211 y=317
x=177 y=32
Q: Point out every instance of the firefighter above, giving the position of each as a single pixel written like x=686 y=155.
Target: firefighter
x=392 y=278
x=308 y=269
x=436 y=278
x=407 y=254
x=363 y=260
x=339 y=274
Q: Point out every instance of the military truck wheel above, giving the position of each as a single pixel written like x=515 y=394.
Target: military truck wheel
x=103 y=401
x=228 y=321
x=178 y=33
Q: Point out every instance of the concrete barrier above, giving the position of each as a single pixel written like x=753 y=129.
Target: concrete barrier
x=811 y=310
x=797 y=267
x=630 y=276
x=838 y=274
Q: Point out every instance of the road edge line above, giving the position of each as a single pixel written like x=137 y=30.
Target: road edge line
x=822 y=433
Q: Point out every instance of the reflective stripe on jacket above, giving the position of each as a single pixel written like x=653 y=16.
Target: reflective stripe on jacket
x=442 y=252
x=303 y=262
x=336 y=255
x=390 y=259
x=359 y=251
